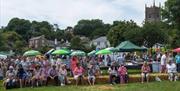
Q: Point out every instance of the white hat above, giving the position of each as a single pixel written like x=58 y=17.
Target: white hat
x=11 y=67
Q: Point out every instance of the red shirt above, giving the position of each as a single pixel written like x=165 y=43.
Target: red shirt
x=73 y=63
x=122 y=70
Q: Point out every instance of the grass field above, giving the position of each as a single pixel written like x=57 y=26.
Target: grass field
x=153 y=86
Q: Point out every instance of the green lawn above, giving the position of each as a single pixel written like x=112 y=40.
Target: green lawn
x=153 y=86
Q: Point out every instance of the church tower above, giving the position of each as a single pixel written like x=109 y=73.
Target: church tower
x=153 y=13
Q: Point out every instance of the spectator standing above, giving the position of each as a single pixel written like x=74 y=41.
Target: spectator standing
x=177 y=58
x=163 y=62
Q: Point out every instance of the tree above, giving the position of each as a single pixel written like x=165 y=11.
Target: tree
x=20 y=26
x=170 y=14
x=76 y=43
x=2 y=43
x=91 y=28
x=43 y=28
x=153 y=33
x=13 y=41
x=123 y=30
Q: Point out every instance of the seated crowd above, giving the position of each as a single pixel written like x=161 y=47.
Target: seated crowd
x=33 y=72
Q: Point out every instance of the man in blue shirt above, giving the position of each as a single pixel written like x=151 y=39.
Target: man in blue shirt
x=177 y=58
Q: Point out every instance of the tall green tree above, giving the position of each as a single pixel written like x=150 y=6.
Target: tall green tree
x=124 y=30
x=2 y=42
x=170 y=14
x=91 y=28
x=154 y=32
x=20 y=26
x=13 y=41
x=76 y=43
x=43 y=28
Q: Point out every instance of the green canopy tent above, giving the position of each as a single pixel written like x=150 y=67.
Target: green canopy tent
x=128 y=46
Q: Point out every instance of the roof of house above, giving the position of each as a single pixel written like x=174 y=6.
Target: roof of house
x=34 y=38
x=101 y=39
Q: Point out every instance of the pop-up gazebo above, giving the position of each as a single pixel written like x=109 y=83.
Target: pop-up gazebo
x=128 y=46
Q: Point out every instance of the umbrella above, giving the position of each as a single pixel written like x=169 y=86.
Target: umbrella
x=50 y=51
x=91 y=53
x=177 y=50
x=60 y=52
x=31 y=53
x=3 y=56
x=103 y=51
x=78 y=53
x=112 y=49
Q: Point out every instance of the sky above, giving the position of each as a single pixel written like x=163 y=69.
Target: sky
x=69 y=12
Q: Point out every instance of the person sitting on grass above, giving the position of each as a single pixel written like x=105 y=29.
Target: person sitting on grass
x=113 y=74
x=171 y=70
x=52 y=75
x=145 y=70
x=123 y=74
x=21 y=75
x=78 y=74
x=10 y=81
x=91 y=74
x=62 y=74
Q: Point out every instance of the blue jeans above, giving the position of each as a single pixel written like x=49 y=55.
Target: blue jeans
x=1 y=77
x=178 y=67
x=62 y=79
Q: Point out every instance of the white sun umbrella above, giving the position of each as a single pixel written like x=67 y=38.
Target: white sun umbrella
x=3 y=56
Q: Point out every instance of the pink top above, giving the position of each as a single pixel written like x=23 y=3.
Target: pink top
x=62 y=72
x=78 y=71
x=73 y=63
x=145 y=69
x=122 y=70
x=38 y=73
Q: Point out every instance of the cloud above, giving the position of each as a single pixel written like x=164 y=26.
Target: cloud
x=69 y=12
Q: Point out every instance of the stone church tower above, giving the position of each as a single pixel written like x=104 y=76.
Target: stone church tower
x=153 y=13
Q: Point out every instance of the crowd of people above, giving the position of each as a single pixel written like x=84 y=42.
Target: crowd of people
x=40 y=71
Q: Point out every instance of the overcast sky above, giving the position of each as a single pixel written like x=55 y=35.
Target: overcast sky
x=69 y=12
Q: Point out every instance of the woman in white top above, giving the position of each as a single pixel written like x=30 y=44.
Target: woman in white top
x=171 y=70
x=62 y=74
